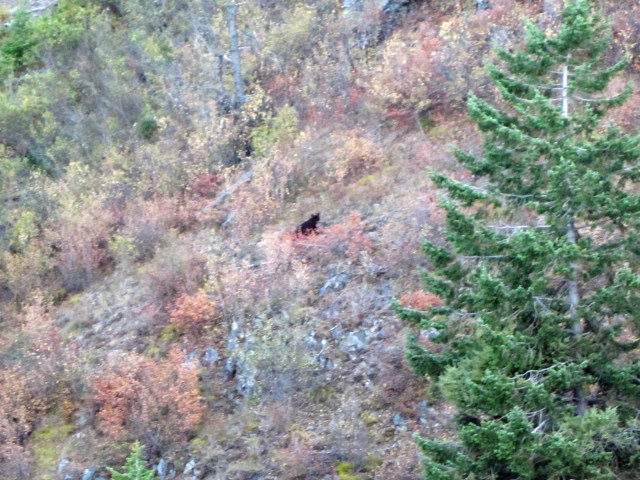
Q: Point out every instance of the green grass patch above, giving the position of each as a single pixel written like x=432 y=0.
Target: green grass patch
x=47 y=444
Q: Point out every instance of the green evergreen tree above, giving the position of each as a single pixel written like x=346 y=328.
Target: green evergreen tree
x=135 y=468
x=536 y=341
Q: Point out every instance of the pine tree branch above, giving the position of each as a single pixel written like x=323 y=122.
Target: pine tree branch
x=528 y=373
x=518 y=227
x=551 y=86
x=597 y=100
x=501 y=194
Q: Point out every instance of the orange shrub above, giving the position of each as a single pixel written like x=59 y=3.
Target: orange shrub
x=192 y=312
x=15 y=424
x=205 y=184
x=156 y=402
x=34 y=384
x=420 y=300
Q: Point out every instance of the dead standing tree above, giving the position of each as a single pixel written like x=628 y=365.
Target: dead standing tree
x=238 y=90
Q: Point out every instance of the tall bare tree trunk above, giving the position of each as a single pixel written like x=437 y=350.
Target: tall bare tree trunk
x=238 y=90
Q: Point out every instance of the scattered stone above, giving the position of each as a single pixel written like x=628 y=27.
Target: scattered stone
x=232 y=341
x=192 y=357
x=353 y=5
x=373 y=370
x=89 y=473
x=198 y=473
x=188 y=468
x=246 y=376
x=229 y=220
x=429 y=334
x=337 y=282
x=162 y=469
x=482 y=5
x=398 y=420
x=359 y=372
x=62 y=465
x=211 y=355
x=355 y=342
x=230 y=367
x=336 y=332
x=311 y=342
x=423 y=409
x=325 y=363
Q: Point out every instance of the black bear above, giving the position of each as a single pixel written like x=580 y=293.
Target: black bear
x=310 y=226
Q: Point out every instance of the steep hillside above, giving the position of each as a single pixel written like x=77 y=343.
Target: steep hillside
x=156 y=162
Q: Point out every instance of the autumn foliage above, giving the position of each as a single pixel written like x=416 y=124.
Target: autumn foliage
x=14 y=423
x=155 y=401
x=420 y=300
x=192 y=312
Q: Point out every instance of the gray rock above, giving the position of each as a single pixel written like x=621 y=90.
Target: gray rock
x=324 y=363
x=311 y=341
x=232 y=341
x=192 y=357
x=198 y=473
x=382 y=334
x=89 y=473
x=101 y=478
x=429 y=334
x=246 y=377
x=359 y=372
x=482 y=5
x=68 y=477
x=352 y=5
x=230 y=367
x=62 y=465
x=337 y=282
x=162 y=469
x=423 y=409
x=211 y=355
x=397 y=420
x=229 y=220
x=336 y=332
x=355 y=342
x=188 y=468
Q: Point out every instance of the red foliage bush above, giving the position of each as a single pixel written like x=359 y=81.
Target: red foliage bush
x=420 y=300
x=15 y=424
x=156 y=402
x=205 y=184
x=35 y=382
x=192 y=312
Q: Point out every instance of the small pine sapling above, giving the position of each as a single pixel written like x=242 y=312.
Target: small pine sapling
x=134 y=468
